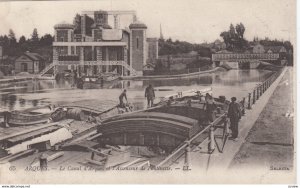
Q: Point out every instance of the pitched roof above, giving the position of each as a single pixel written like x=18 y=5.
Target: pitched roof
x=137 y=25
x=33 y=56
x=224 y=52
x=64 y=25
x=274 y=49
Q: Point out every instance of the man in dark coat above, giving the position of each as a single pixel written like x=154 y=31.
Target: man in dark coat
x=234 y=113
x=209 y=107
x=123 y=95
x=150 y=95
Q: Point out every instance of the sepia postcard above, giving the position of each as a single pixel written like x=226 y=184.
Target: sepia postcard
x=148 y=92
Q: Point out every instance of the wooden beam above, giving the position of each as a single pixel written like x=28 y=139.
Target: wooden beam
x=95 y=162
x=13 y=157
x=33 y=129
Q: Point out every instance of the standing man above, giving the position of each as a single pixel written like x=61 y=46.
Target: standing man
x=234 y=113
x=75 y=77
x=209 y=107
x=123 y=95
x=150 y=95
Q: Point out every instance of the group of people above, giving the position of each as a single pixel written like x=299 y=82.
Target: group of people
x=234 y=111
x=149 y=95
x=234 y=114
x=76 y=81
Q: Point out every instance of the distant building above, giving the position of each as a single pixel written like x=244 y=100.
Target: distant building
x=275 y=49
x=219 y=45
x=95 y=47
x=259 y=49
x=29 y=62
x=152 y=49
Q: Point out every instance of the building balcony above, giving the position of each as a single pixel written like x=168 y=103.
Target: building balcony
x=70 y=62
x=68 y=58
x=91 y=43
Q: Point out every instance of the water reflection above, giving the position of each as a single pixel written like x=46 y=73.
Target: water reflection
x=16 y=96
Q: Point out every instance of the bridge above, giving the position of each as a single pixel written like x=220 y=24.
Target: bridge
x=234 y=60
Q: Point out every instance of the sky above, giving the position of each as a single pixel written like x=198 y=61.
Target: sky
x=195 y=21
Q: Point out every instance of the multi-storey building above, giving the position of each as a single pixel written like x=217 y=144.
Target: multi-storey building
x=92 y=46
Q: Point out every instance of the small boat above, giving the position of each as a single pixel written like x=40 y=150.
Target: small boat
x=99 y=79
x=28 y=117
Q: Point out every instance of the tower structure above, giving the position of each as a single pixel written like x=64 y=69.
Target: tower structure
x=138 y=46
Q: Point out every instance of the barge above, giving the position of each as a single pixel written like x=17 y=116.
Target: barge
x=102 y=138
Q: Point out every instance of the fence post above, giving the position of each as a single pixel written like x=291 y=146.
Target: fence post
x=43 y=162
x=260 y=90
x=249 y=101
x=253 y=96
x=187 y=159
x=244 y=101
x=211 y=143
x=257 y=92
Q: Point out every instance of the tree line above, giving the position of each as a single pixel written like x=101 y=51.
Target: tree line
x=170 y=47
x=13 y=47
x=235 y=41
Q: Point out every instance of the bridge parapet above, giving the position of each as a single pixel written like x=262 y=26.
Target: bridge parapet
x=243 y=57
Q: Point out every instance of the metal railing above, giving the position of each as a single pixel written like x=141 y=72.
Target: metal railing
x=261 y=89
x=241 y=56
x=220 y=122
x=46 y=69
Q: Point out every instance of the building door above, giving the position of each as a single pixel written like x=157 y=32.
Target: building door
x=24 y=67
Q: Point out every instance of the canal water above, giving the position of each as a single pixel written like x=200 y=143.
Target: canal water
x=22 y=95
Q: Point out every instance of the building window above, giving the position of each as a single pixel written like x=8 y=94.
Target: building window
x=24 y=67
x=72 y=50
x=137 y=43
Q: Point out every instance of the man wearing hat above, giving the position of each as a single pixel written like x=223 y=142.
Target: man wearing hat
x=234 y=114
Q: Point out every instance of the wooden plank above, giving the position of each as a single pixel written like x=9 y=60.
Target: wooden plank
x=94 y=136
x=98 y=152
x=143 y=164
x=95 y=162
x=37 y=127
x=131 y=163
x=14 y=157
x=33 y=134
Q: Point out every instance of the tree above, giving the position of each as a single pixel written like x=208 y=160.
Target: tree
x=35 y=35
x=232 y=33
x=234 y=38
x=46 y=40
x=226 y=37
x=77 y=24
x=22 y=40
x=12 y=38
x=240 y=29
x=11 y=34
